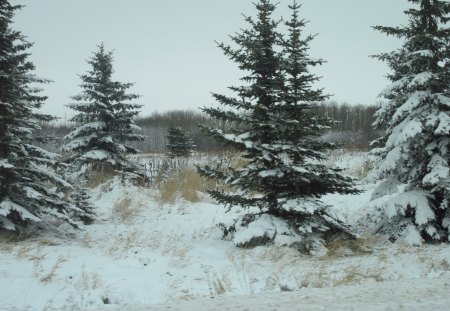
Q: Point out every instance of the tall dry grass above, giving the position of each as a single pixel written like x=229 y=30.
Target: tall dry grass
x=185 y=184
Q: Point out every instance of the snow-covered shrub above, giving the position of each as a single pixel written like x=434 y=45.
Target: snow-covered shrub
x=252 y=230
x=400 y=214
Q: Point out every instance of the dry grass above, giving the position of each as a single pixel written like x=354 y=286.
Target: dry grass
x=274 y=282
x=100 y=177
x=218 y=284
x=7 y=241
x=118 y=245
x=186 y=184
x=52 y=272
x=126 y=209
x=355 y=276
x=341 y=247
x=87 y=241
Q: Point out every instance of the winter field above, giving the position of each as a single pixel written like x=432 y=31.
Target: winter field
x=160 y=248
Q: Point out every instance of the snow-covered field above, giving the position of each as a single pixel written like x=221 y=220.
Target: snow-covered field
x=144 y=255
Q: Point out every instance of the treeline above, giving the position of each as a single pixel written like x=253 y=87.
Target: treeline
x=353 y=127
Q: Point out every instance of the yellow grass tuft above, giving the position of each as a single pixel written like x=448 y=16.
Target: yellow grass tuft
x=126 y=209
x=186 y=184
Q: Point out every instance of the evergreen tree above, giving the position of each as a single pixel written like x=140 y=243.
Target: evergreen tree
x=85 y=209
x=415 y=147
x=180 y=145
x=276 y=129
x=30 y=190
x=104 y=120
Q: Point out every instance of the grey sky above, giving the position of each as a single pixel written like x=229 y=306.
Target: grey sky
x=167 y=46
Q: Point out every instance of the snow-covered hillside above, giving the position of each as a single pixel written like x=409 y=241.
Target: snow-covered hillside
x=140 y=253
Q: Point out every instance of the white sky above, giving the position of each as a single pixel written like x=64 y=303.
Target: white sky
x=167 y=46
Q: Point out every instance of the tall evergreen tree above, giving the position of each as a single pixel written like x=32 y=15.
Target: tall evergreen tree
x=180 y=145
x=104 y=120
x=415 y=147
x=276 y=129
x=30 y=190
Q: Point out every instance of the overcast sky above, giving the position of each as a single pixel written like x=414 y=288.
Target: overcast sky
x=167 y=46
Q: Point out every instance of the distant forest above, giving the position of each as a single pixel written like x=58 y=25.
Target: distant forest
x=353 y=127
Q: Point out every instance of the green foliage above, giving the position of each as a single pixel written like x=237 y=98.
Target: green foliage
x=104 y=120
x=81 y=200
x=30 y=189
x=278 y=127
x=415 y=148
x=180 y=145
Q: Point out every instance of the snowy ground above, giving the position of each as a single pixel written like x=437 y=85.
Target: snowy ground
x=411 y=295
x=140 y=253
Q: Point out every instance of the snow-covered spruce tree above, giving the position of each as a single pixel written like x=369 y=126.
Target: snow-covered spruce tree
x=30 y=189
x=415 y=148
x=85 y=209
x=276 y=131
x=180 y=145
x=104 y=121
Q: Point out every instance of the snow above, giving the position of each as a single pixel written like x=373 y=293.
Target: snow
x=391 y=160
x=5 y=164
x=422 y=53
x=394 y=86
x=397 y=203
x=143 y=255
x=412 y=236
x=79 y=142
x=421 y=79
x=411 y=295
x=85 y=128
x=439 y=170
x=271 y=173
x=242 y=139
x=302 y=205
x=442 y=99
x=414 y=100
x=264 y=226
x=7 y=205
x=407 y=129
x=444 y=124
x=97 y=155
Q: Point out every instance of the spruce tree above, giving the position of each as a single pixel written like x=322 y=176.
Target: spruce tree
x=104 y=120
x=180 y=145
x=30 y=189
x=415 y=147
x=85 y=209
x=276 y=130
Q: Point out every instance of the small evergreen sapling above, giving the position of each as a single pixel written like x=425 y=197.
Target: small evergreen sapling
x=180 y=145
x=416 y=114
x=81 y=200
